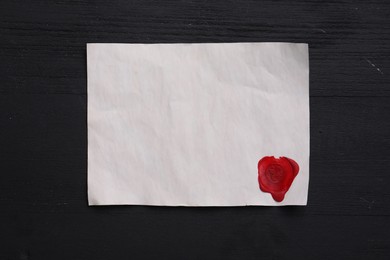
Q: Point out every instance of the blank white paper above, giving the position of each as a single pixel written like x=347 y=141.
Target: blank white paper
x=186 y=124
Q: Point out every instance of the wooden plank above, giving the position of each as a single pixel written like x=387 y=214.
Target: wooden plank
x=349 y=162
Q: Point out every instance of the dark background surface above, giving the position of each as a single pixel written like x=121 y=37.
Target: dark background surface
x=43 y=133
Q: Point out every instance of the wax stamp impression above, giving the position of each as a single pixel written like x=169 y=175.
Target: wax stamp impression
x=276 y=175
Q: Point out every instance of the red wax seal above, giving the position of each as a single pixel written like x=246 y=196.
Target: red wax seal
x=276 y=175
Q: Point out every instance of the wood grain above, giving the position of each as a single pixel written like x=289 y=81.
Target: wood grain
x=44 y=212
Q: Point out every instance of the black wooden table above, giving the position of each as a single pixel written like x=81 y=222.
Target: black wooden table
x=43 y=133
